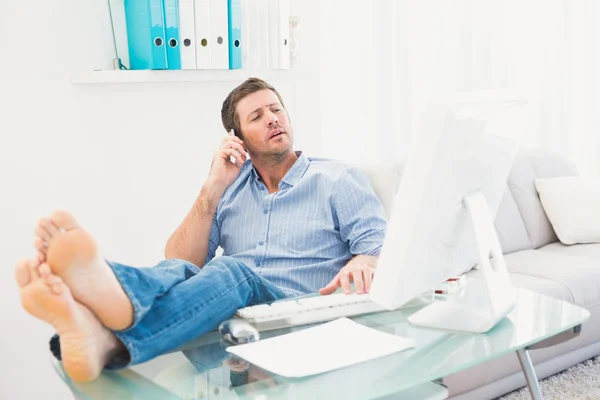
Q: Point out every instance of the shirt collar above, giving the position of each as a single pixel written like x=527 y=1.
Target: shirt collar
x=297 y=170
x=254 y=173
x=295 y=173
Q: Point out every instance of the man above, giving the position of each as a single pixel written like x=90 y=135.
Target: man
x=288 y=225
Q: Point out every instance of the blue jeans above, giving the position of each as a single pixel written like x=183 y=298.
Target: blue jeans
x=175 y=302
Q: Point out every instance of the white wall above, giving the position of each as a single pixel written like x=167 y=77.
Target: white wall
x=384 y=60
x=126 y=159
x=359 y=81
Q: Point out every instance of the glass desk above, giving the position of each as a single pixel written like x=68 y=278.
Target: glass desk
x=202 y=369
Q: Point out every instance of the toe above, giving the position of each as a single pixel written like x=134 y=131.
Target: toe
x=41 y=248
x=47 y=225
x=51 y=228
x=63 y=220
x=58 y=288
x=40 y=245
x=22 y=273
x=33 y=267
x=53 y=279
x=45 y=271
x=42 y=234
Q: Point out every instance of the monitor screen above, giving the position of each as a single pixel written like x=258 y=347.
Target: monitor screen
x=430 y=236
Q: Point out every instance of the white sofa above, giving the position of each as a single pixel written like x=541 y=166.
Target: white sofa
x=537 y=261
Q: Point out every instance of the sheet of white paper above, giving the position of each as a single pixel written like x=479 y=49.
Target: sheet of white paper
x=319 y=349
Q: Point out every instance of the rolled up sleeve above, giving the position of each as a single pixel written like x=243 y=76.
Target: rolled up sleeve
x=360 y=215
x=213 y=240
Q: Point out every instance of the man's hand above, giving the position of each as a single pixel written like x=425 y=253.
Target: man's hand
x=360 y=270
x=222 y=169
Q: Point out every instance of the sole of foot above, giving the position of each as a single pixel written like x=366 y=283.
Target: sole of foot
x=72 y=254
x=86 y=346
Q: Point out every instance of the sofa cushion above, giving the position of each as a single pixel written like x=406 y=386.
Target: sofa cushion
x=539 y=285
x=510 y=227
x=580 y=275
x=591 y=250
x=384 y=180
x=529 y=165
x=571 y=204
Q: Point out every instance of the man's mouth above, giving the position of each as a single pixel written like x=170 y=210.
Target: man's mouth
x=276 y=133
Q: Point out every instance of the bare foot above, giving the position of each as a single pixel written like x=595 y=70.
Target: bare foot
x=72 y=254
x=86 y=346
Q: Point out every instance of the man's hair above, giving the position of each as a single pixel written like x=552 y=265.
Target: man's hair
x=229 y=115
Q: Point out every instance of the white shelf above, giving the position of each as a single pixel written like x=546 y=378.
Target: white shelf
x=127 y=76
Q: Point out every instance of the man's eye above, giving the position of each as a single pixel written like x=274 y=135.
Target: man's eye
x=256 y=118
x=277 y=109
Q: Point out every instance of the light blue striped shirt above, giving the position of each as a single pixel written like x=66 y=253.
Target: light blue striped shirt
x=299 y=237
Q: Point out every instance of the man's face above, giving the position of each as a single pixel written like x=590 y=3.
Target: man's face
x=266 y=128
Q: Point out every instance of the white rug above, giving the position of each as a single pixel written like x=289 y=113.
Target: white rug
x=581 y=382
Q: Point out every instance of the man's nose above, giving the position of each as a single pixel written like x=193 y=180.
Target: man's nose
x=272 y=118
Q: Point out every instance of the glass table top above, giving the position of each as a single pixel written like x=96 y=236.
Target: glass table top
x=202 y=369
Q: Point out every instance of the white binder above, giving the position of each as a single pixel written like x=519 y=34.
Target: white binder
x=245 y=4
x=253 y=15
x=187 y=34
x=274 y=34
x=219 y=35
x=284 y=34
x=202 y=31
x=263 y=44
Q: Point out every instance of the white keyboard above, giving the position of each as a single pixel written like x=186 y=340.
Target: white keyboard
x=308 y=310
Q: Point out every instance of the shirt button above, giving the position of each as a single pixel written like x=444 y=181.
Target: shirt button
x=261 y=243
x=258 y=265
x=265 y=211
x=261 y=188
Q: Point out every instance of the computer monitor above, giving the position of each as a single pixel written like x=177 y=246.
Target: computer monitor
x=441 y=224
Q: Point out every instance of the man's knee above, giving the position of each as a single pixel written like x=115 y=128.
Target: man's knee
x=177 y=266
x=232 y=265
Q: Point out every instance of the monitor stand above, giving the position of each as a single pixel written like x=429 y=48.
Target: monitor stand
x=498 y=296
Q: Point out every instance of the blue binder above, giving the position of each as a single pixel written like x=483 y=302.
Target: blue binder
x=172 y=34
x=145 y=34
x=234 y=16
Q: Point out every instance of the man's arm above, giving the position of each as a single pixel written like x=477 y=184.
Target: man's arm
x=190 y=241
x=362 y=225
x=360 y=215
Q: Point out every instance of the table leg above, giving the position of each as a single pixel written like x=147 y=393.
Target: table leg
x=530 y=376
